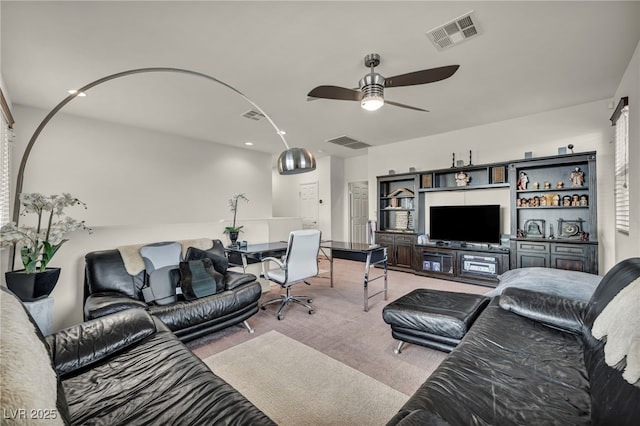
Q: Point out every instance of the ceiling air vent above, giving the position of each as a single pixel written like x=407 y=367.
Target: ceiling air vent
x=454 y=32
x=348 y=142
x=253 y=115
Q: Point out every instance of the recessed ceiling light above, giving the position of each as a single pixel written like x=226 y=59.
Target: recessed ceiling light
x=75 y=92
x=249 y=143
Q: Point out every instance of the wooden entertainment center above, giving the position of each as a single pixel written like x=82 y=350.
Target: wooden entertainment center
x=552 y=212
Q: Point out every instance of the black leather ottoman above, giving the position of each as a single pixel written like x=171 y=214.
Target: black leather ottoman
x=433 y=318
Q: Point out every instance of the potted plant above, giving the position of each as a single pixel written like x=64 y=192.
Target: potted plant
x=39 y=243
x=234 y=230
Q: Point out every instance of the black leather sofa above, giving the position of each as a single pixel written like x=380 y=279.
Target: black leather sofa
x=109 y=288
x=125 y=368
x=531 y=359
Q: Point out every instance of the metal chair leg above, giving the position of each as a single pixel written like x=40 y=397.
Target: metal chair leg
x=398 y=350
x=248 y=327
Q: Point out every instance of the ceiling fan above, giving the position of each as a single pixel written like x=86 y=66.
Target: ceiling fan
x=371 y=91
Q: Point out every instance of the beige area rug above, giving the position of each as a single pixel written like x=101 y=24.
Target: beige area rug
x=296 y=385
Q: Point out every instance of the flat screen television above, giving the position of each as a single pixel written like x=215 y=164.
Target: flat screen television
x=472 y=224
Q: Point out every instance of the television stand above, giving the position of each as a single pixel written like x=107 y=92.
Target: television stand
x=459 y=262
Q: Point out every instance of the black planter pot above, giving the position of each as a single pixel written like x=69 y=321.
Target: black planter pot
x=30 y=287
x=233 y=236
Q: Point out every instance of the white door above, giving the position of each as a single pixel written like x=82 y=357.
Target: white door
x=358 y=211
x=309 y=205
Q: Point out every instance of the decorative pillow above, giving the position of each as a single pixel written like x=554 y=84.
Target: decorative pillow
x=161 y=289
x=619 y=321
x=220 y=263
x=29 y=382
x=200 y=279
x=568 y=284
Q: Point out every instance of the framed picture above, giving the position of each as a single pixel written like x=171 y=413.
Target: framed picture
x=435 y=266
x=426 y=265
x=498 y=174
x=427 y=181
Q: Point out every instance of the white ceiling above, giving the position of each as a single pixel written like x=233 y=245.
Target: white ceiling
x=531 y=57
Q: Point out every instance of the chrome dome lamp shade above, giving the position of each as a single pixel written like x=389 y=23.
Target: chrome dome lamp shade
x=296 y=160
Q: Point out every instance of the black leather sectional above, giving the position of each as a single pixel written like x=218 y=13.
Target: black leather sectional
x=531 y=359
x=110 y=288
x=126 y=368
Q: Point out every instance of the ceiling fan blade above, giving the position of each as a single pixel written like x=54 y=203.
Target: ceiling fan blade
x=405 y=106
x=421 y=77
x=335 y=92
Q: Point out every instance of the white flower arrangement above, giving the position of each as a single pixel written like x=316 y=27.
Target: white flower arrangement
x=233 y=206
x=40 y=243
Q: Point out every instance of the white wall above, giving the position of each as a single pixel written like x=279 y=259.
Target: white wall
x=629 y=245
x=286 y=194
x=585 y=126
x=140 y=186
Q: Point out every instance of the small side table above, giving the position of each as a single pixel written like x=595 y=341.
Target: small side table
x=42 y=312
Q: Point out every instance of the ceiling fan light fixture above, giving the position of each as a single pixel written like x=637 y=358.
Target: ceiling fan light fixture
x=372 y=102
x=296 y=160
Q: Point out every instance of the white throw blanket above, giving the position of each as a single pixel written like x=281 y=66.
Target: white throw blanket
x=134 y=264
x=620 y=322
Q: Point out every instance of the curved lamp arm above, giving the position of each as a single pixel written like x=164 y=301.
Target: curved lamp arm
x=307 y=164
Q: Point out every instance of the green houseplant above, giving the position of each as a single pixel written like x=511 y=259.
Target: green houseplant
x=39 y=243
x=234 y=230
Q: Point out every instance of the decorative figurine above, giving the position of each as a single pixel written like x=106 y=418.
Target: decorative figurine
x=547 y=185
x=535 y=201
x=584 y=200
x=560 y=184
x=543 y=201
x=533 y=229
x=575 y=200
x=523 y=181
x=462 y=179
x=577 y=178
x=556 y=200
x=566 y=201
x=536 y=185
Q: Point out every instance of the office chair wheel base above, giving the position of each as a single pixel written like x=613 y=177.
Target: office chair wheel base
x=279 y=317
x=311 y=311
x=309 y=300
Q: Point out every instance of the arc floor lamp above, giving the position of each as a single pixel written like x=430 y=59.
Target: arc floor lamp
x=291 y=161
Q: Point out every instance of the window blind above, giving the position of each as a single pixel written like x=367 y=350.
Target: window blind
x=5 y=153
x=620 y=120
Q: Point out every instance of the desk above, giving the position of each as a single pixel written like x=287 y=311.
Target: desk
x=371 y=255
x=258 y=252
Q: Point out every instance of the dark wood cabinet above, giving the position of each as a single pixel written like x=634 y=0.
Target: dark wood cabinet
x=399 y=249
x=553 y=217
x=465 y=264
x=554 y=213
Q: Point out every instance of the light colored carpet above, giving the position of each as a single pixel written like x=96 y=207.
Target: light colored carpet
x=295 y=384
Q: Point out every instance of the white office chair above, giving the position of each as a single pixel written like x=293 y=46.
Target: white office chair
x=299 y=263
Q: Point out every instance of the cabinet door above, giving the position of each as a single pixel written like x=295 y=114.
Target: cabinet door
x=532 y=254
x=570 y=263
x=404 y=250
x=573 y=257
x=529 y=260
x=387 y=241
x=404 y=253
